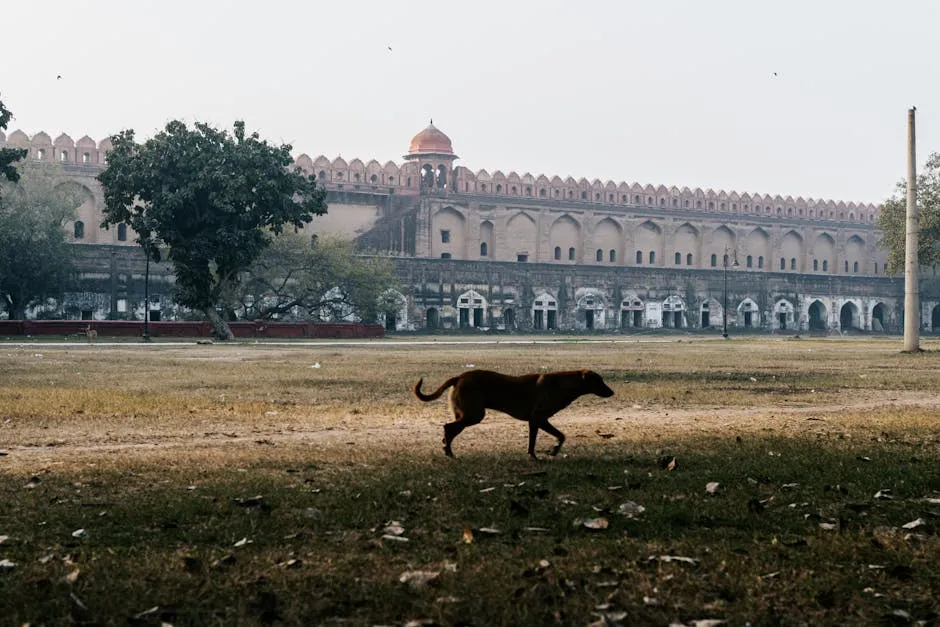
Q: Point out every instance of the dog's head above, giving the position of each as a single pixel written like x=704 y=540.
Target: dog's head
x=594 y=384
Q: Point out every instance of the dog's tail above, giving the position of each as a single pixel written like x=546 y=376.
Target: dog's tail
x=435 y=394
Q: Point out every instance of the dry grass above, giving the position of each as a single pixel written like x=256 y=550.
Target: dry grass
x=149 y=448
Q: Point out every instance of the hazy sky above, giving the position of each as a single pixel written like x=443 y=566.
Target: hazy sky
x=675 y=92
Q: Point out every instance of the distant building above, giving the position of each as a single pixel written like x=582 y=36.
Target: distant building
x=537 y=253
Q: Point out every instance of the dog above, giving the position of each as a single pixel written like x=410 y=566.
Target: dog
x=90 y=333
x=533 y=397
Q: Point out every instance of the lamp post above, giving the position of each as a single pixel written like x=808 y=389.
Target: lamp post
x=146 y=337
x=724 y=305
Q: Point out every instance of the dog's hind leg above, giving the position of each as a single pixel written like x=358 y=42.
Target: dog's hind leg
x=462 y=420
x=550 y=429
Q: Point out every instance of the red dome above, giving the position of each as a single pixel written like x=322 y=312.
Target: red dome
x=431 y=141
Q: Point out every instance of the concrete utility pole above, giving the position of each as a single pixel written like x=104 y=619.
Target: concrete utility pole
x=912 y=231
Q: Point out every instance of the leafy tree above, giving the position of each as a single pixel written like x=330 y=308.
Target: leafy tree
x=36 y=259
x=893 y=219
x=211 y=199
x=325 y=279
x=9 y=156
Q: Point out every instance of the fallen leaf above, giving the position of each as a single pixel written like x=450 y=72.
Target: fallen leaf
x=672 y=558
x=489 y=530
x=667 y=462
x=243 y=542
x=389 y=536
x=4 y=539
x=536 y=529
x=914 y=524
x=884 y=495
x=827 y=526
x=592 y=523
x=711 y=487
x=79 y=533
x=72 y=577
x=630 y=509
x=418 y=579
x=394 y=528
x=467 y=536
x=252 y=501
x=6 y=564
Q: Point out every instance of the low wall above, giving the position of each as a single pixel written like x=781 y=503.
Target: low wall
x=132 y=328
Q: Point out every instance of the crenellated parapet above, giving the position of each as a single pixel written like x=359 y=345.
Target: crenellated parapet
x=412 y=177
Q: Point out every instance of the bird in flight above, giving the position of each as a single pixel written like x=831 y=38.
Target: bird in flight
x=58 y=77
x=389 y=48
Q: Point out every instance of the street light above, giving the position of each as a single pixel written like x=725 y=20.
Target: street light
x=724 y=307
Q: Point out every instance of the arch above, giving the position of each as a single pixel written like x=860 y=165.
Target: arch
x=632 y=311
x=432 y=318
x=566 y=233
x=749 y=314
x=855 y=253
x=471 y=310
x=394 y=310
x=818 y=316
x=673 y=308
x=521 y=232
x=879 y=318
x=824 y=249
x=791 y=247
x=609 y=236
x=711 y=313
x=544 y=312
x=591 y=311
x=486 y=239
x=784 y=313
x=849 y=318
x=757 y=246
x=648 y=238
x=448 y=233
x=687 y=241
x=935 y=319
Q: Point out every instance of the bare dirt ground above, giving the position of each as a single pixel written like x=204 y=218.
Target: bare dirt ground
x=208 y=431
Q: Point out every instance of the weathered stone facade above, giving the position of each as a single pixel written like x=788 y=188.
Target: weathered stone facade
x=476 y=250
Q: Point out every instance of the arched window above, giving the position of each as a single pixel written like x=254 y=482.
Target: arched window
x=79 y=231
x=557 y=252
x=876 y=267
x=571 y=254
x=40 y=154
x=639 y=257
x=760 y=262
x=688 y=259
x=86 y=157
x=846 y=266
x=678 y=258
x=652 y=257
x=122 y=232
x=855 y=267
x=583 y=195
x=815 y=265
x=825 y=265
x=64 y=155
x=373 y=179
x=793 y=263
x=750 y=261
x=499 y=189
x=714 y=260
x=599 y=255
x=783 y=263
x=613 y=256
x=724 y=261
x=483 y=249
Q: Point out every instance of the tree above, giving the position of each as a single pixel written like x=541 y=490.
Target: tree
x=36 y=259
x=893 y=219
x=211 y=200
x=9 y=156
x=325 y=279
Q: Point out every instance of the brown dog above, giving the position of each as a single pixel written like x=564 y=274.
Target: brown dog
x=533 y=397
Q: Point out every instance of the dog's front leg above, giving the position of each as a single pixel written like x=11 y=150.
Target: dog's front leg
x=533 y=434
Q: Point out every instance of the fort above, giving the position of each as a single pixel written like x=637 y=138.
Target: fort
x=503 y=251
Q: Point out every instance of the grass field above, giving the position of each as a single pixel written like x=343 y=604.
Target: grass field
x=304 y=485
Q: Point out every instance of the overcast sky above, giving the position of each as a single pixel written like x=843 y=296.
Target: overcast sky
x=803 y=98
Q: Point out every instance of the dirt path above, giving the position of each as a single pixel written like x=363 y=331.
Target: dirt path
x=580 y=424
